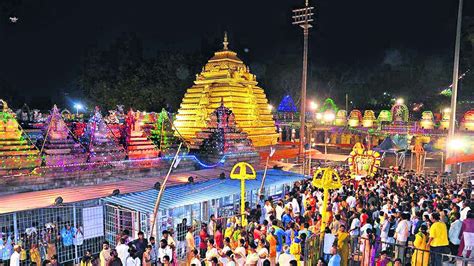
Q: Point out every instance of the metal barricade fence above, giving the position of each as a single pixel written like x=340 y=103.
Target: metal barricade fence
x=66 y=231
x=364 y=251
x=312 y=250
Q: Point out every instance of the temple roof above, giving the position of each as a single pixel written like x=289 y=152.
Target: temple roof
x=226 y=78
x=287 y=105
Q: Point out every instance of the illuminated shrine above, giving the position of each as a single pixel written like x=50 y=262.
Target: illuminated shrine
x=222 y=140
x=355 y=117
x=137 y=144
x=444 y=123
x=385 y=116
x=399 y=113
x=287 y=105
x=103 y=146
x=17 y=154
x=162 y=133
x=226 y=77
x=60 y=147
x=427 y=120
x=467 y=121
x=369 y=118
x=341 y=118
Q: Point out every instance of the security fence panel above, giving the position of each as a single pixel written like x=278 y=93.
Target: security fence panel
x=119 y=220
x=58 y=230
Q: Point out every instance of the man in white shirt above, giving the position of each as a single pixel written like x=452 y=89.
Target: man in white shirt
x=402 y=232
x=15 y=257
x=454 y=231
x=351 y=201
x=164 y=250
x=354 y=232
x=268 y=210
x=279 y=210
x=296 y=206
x=328 y=243
x=285 y=257
x=211 y=227
x=122 y=251
x=465 y=209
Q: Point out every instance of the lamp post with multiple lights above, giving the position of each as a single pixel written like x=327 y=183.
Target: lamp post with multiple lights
x=454 y=95
x=303 y=18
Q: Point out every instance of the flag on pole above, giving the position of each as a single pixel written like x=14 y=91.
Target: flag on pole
x=272 y=151
x=178 y=159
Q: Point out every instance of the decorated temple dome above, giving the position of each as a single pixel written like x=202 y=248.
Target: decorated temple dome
x=225 y=77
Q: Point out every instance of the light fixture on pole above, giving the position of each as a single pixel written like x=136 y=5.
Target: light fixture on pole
x=78 y=107
x=454 y=95
x=303 y=18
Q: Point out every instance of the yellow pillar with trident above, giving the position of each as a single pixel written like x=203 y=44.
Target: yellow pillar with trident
x=243 y=175
x=329 y=180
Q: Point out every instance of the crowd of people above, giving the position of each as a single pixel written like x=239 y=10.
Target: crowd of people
x=388 y=219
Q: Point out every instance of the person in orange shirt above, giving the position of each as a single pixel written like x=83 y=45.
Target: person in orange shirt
x=271 y=239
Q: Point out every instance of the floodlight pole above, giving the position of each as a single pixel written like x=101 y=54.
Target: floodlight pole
x=303 y=18
x=452 y=117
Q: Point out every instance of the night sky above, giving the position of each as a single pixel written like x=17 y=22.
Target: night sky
x=40 y=54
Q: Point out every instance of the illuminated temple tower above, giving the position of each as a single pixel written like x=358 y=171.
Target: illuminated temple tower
x=60 y=148
x=137 y=143
x=16 y=153
x=222 y=141
x=102 y=146
x=226 y=77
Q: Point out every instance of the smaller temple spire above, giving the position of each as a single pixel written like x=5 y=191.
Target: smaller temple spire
x=3 y=106
x=225 y=42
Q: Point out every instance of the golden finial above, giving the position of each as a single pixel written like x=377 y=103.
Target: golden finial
x=225 y=42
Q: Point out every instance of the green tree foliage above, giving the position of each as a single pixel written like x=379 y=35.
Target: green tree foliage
x=121 y=74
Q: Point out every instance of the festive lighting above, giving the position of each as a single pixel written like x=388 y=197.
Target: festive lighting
x=329 y=116
x=456 y=144
x=400 y=101
x=287 y=105
x=313 y=105
x=270 y=107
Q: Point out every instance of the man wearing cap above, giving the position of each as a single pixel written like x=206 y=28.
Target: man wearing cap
x=15 y=257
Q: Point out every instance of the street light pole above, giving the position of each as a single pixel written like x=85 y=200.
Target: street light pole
x=303 y=18
x=452 y=118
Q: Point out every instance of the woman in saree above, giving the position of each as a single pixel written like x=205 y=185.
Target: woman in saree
x=343 y=239
x=421 y=255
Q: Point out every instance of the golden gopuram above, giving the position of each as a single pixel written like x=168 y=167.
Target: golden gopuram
x=226 y=78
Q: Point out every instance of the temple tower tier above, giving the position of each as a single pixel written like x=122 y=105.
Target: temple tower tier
x=17 y=153
x=226 y=78
x=60 y=147
x=222 y=141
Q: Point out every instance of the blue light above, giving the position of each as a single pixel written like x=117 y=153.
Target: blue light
x=287 y=105
x=193 y=157
x=78 y=106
